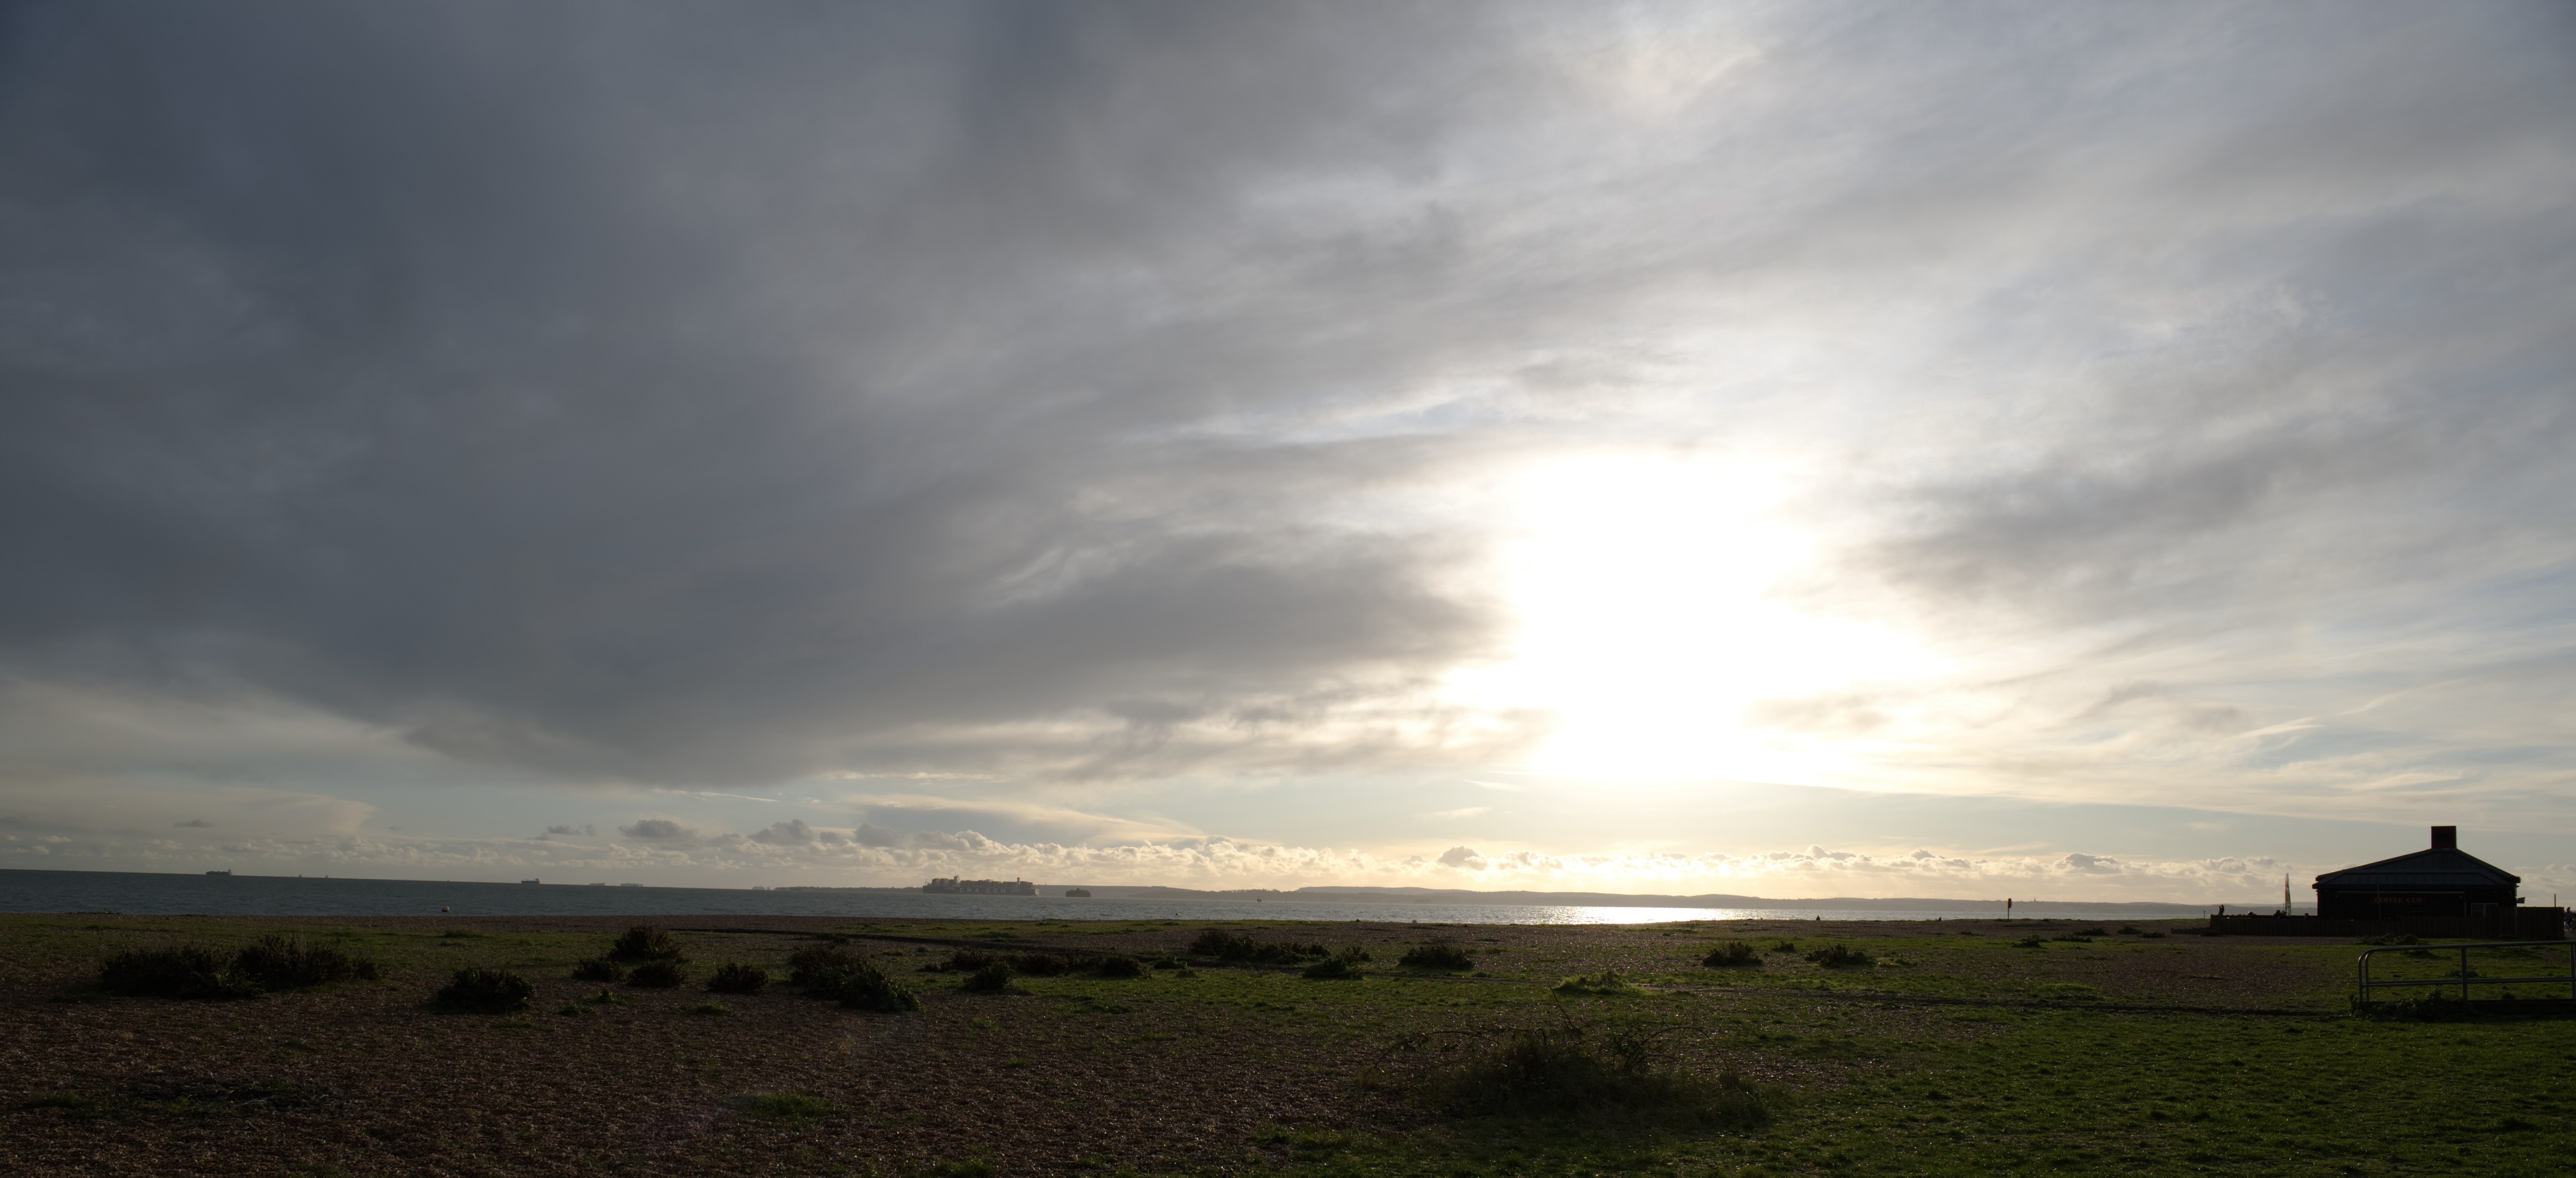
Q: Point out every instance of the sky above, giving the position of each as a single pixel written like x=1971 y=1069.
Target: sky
x=2108 y=452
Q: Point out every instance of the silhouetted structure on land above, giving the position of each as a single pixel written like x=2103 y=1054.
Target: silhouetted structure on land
x=2441 y=891
x=2442 y=882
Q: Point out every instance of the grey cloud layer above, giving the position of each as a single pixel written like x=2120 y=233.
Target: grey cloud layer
x=667 y=395
x=1058 y=390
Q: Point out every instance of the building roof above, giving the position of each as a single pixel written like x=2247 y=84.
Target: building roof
x=2440 y=867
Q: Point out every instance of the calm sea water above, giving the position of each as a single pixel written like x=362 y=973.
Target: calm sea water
x=267 y=895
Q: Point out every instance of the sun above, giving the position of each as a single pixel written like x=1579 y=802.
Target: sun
x=1648 y=614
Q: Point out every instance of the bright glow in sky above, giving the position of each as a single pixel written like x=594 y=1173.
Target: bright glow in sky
x=1832 y=448
x=1647 y=598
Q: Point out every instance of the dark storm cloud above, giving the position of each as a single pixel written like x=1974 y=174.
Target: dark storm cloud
x=695 y=393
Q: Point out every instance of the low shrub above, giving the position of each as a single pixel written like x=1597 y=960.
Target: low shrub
x=1333 y=969
x=657 y=975
x=1732 y=955
x=188 y=971
x=970 y=1168
x=1605 y=982
x=486 y=991
x=2030 y=943
x=1041 y=965
x=2095 y=931
x=1785 y=947
x=736 y=978
x=811 y=966
x=2131 y=930
x=717 y=1009
x=1561 y=1073
x=646 y=943
x=1226 y=946
x=970 y=960
x=1435 y=957
x=289 y=963
x=1843 y=957
x=992 y=979
x=838 y=973
x=1114 y=966
x=597 y=969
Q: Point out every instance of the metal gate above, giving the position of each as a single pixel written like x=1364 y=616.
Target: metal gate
x=2463 y=980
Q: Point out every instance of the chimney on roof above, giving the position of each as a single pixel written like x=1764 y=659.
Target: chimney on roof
x=2446 y=838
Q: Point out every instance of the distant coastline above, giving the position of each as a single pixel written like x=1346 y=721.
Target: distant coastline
x=1253 y=900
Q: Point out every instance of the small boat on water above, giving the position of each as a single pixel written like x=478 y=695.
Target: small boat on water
x=219 y=873
x=527 y=881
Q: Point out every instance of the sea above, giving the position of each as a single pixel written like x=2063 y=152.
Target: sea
x=143 y=893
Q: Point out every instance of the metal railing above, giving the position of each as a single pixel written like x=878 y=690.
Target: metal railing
x=2464 y=980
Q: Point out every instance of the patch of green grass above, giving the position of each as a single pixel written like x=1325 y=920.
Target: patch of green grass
x=1606 y=982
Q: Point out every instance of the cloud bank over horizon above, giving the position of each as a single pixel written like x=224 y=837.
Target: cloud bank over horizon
x=1131 y=430
x=789 y=853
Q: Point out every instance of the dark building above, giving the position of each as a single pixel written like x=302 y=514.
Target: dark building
x=2440 y=882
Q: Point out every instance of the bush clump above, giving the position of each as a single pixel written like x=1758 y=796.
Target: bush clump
x=736 y=978
x=486 y=991
x=598 y=969
x=1041 y=965
x=1435 y=957
x=188 y=971
x=1785 y=947
x=288 y=963
x=1337 y=968
x=1563 y=1073
x=646 y=943
x=992 y=979
x=657 y=975
x=194 y=971
x=2030 y=943
x=1843 y=957
x=968 y=961
x=815 y=965
x=1114 y=966
x=1732 y=955
x=1226 y=946
x=841 y=974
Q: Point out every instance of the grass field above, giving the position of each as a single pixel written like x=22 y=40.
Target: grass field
x=1956 y=1048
